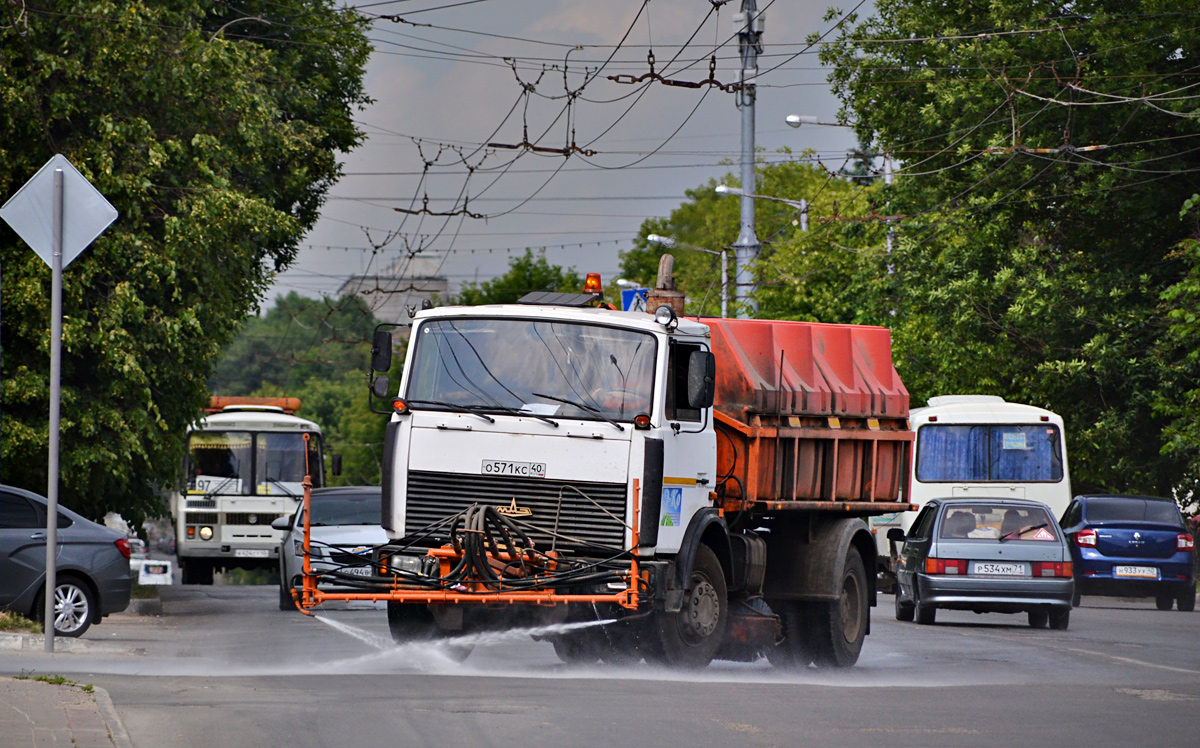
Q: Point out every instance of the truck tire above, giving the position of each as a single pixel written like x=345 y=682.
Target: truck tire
x=795 y=649
x=580 y=647
x=691 y=637
x=838 y=628
x=408 y=622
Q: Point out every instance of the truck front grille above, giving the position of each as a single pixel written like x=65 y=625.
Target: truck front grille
x=581 y=523
x=250 y=518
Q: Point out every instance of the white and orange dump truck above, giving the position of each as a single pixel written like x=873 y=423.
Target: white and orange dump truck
x=702 y=484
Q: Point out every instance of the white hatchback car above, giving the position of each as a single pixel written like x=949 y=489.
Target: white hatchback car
x=345 y=528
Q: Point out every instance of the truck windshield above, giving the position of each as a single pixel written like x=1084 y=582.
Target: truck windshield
x=989 y=453
x=550 y=369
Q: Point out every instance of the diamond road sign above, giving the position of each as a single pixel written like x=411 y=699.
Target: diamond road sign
x=86 y=213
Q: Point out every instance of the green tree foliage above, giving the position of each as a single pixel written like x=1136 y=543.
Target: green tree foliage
x=317 y=350
x=296 y=340
x=834 y=272
x=525 y=274
x=213 y=131
x=1045 y=156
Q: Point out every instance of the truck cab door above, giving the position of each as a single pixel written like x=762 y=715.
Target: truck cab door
x=689 y=450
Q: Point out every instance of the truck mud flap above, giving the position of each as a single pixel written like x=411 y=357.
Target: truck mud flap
x=651 y=497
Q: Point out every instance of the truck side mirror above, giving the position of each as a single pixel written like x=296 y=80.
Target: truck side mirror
x=335 y=464
x=381 y=351
x=379 y=386
x=701 y=379
x=896 y=535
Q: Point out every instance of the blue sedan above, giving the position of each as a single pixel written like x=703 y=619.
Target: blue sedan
x=1132 y=546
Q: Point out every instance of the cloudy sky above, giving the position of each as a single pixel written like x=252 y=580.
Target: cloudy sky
x=450 y=76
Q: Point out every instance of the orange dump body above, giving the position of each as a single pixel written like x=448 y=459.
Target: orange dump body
x=289 y=404
x=808 y=412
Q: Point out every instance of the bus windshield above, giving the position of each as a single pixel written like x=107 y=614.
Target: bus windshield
x=280 y=465
x=240 y=463
x=977 y=453
x=219 y=462
x=549 y=369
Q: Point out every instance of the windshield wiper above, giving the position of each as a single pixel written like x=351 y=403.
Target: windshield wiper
x=1022 y=531
x=581 y=406
x=286 y=490
x=217 y=488
x=468 y=409
x=517 y=412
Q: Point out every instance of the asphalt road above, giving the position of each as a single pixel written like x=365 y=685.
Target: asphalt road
x=224 y=667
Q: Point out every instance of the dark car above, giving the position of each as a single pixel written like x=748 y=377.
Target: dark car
x=1132 y=546
x=92 y=578
x=988 y=556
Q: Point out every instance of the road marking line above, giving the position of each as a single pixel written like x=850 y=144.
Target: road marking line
x=1132 y=661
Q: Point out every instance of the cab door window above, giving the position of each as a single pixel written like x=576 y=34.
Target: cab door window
x=677 y=407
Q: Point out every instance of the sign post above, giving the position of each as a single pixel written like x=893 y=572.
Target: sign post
x=58 y=213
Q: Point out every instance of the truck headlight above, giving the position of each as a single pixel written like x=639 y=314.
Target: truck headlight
x=206 y=533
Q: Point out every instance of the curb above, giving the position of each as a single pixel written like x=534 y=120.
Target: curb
x=62 y=644
x=112 y=720
x=144 y=607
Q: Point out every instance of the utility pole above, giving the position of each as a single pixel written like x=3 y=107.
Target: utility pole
x=747 y=246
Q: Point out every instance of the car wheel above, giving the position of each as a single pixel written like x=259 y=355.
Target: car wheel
x=925 y=614
x=285 y=592
x=74 y=607
x=1060 y=618
x=1164 y=602
x=1187 y=600
x=1038 y=617
x=1076 y=598
x=905 y=611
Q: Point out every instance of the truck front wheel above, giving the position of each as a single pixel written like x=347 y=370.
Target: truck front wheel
x=691 y=637
x=838 y=628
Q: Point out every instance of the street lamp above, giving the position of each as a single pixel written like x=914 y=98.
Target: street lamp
x=795 y=120
x=670 y=243
x=800 y=205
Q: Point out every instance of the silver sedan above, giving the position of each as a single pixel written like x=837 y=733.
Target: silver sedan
x=988 y=556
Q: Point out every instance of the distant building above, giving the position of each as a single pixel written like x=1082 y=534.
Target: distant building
x=403 y=285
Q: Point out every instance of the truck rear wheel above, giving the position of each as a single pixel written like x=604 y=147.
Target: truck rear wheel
x=580 y=647
x=795 y=649
x=691 y=637
x=838 y=628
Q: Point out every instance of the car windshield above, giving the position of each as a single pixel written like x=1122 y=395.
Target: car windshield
x=549 y=369
x=997 y=522
x=345 y=509
x=989 y=454
x=1132 y=510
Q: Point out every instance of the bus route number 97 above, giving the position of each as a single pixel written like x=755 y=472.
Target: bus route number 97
x=519 y=469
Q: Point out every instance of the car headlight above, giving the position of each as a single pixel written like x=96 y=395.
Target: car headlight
x=206 y=533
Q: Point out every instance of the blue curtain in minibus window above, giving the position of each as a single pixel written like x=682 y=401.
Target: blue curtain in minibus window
x=952 y=453
x=977 y=453
x=1024 y=454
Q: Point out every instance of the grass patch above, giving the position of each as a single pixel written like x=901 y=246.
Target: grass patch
x=249 y=576
x=15 y=623
x=54 y=680
x=145 y=591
